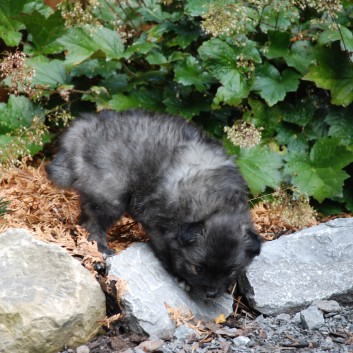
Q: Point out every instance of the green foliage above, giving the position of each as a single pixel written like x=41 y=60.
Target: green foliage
x=320 y=173
x=3 y=206
x=284 y=66
x=272 y=85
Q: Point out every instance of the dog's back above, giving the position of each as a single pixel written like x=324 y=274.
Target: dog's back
x=111 y=147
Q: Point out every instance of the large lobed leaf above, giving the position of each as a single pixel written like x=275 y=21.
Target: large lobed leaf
x=334 y=72
x=17 y=112
x=9 y=25
x=220 y=59
x=189 y=72
x=273 y=85
x=320 y=174
x=82 y=43
x=259 y=166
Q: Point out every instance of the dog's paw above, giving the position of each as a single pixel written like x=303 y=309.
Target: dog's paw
x=106 y=252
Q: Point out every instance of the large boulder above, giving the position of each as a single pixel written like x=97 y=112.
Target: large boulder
x=147 y=292
x=293 y=271
x=47 y=299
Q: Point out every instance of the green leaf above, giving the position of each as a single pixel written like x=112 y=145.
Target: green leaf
x=37 y=5
x=189 y=72
x=45 y=31
x=109 y=42
x=299 y=55
x=348 y=196
x=328 y=152
x=155 y=57
x=321 y=183
x=154 y=13
x=121 y=102
x=155 y=34
x=186 y=33
x=48 y=73
x=136 y=99
x=96 y=67
x=248 y=50
x=301 y=113
x=273 y=85
x=17 y=112
x=278 y=46
x=197 y=8
x=139 y=48
x=278 y=20
x=333 y=72
x=320 y=174
x=82 y=43
x=260 y=167
x=234 y=93
x=98 y=95
x=9 y=24
x=341 y=125
x=221 y=61
x=261 y=115
x=344 y=35
x=185 y=104
x=79 y=44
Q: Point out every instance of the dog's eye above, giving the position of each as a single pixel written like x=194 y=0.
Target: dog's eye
x=230 y=273
x=199 y=269
x=202 y=232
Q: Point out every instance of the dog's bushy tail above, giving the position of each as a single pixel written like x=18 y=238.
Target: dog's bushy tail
x=58 y=171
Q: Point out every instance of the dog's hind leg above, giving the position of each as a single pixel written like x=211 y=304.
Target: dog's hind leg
x=96 y=218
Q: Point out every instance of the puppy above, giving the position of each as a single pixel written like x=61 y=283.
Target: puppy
x=169 y=176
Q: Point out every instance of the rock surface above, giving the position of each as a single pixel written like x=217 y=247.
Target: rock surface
x=280 y=334
x=146 y=290
x=47 y=299
x=293 y=271
x=312 y=318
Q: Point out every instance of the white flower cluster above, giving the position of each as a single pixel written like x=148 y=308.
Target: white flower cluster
x=226 y=19
x=243 y=134
x=19 y=75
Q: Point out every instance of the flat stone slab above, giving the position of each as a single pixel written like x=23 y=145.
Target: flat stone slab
x=147 y=290
x=294 y=270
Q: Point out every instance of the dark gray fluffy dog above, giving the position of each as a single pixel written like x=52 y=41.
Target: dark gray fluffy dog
x=168 y=175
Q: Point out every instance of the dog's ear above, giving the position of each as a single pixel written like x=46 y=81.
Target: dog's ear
x=189 y=232
x=253 y=243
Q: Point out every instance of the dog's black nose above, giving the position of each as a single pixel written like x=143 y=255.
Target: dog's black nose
x=212 y=293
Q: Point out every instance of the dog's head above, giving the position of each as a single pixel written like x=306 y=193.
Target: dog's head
x=212 y=253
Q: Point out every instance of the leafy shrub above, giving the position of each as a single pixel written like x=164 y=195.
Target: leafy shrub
x=281 y=66
x=3 y=206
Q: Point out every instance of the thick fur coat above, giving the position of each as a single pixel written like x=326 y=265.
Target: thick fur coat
x=168 y=175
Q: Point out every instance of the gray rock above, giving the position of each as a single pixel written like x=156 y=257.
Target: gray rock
x=185 y=333
x=293 y=271
x=312 y=318
x=327 y=306
x=150 y=345
x=148 y=290
x=283 y=317
x=82 y=349
x=47 y=299
x=241 y=341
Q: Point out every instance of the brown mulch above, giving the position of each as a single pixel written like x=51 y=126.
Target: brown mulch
x=50 y=214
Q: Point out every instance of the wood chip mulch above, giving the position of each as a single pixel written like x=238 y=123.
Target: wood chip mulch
x=51 y=214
